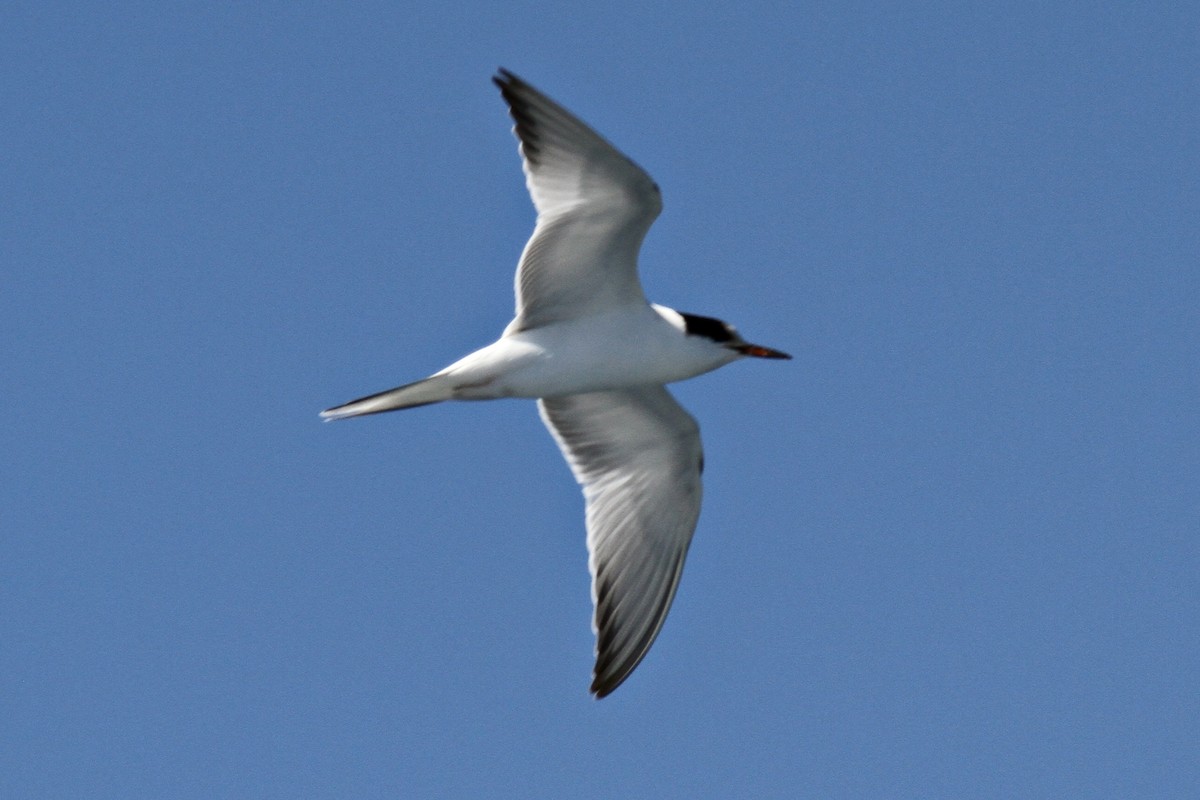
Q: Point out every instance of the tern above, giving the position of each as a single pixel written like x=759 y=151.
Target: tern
x=596 y=355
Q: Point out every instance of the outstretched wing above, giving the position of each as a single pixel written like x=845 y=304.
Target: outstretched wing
x=594 y=207
x=637 y=454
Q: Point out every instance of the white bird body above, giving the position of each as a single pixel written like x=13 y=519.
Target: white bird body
x=620 y=348
x=596 y=355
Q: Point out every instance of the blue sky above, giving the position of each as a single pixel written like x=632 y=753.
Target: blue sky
x=948 y=551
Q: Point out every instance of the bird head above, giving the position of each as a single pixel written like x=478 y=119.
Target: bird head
x=727 y=336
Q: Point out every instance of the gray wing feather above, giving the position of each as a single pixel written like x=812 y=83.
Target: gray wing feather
x=594 y=208
x=637 y=455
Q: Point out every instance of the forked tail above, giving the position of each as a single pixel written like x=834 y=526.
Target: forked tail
x=433 y=389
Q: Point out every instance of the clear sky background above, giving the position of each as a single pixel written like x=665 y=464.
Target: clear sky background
x=951 y=550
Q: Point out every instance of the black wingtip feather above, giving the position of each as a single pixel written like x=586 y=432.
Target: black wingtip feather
x=604 y=684
x=518 y=108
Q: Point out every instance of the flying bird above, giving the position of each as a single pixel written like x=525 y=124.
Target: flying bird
x=596 y=355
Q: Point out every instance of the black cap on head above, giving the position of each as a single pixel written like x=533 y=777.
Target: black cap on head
x=708 y=327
